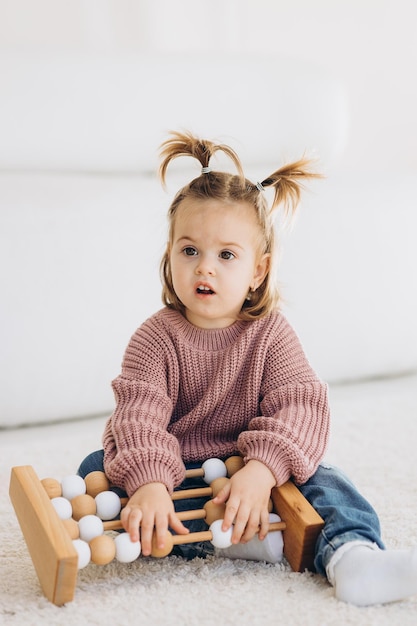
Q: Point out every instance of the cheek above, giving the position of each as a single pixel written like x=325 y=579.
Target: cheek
x=177 y=266
x=179 y=274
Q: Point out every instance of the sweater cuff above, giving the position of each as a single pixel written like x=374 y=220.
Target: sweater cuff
x=267 y=453
x=284 y=459
x=150 y=474
x=129 y=473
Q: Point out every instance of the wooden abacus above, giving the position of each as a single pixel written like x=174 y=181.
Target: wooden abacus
x=56 y=560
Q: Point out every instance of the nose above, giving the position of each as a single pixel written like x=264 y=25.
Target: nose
x=205 y=267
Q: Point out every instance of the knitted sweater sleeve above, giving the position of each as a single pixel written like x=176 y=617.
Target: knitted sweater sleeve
x=291 y=434
x=138 y=449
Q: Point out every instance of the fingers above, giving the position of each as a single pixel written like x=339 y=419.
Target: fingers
x=131 y=518
x=232 y=508
x=177 y=526
x=246 y=497
x=146 y=533
x=246 y=524
x=264 y=525
x=142 y=527
x=245 y=532
x=160 y=531
x=223 y=494
x=245 y=521
x=246 y=518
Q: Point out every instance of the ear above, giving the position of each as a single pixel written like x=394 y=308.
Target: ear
x=261 y=270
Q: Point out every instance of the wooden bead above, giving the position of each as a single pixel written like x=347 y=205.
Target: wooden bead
x=213 y=512
x=103 y=549
x=161 y=552
x=71 y=527
x=233 y=465
x=52 y=487
x=82 y=505
x=218 y=484
x=96 y=482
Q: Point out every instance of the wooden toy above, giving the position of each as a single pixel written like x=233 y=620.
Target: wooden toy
x=50 y=539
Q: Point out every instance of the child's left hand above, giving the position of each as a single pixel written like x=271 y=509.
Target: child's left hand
x=247 y=497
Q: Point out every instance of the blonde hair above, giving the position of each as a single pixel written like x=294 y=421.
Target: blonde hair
x=234 y=188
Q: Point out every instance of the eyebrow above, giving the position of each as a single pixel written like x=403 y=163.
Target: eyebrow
x=222 y=244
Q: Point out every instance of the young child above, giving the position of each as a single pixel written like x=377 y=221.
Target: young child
x=219 y=371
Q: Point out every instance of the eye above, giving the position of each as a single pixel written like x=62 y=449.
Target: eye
x=189 y=251
x=227 y=255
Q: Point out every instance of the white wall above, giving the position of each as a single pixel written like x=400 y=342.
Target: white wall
x=369 y=44
x=335 y=77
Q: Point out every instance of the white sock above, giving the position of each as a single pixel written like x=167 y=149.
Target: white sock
x=365 y=575
x=269 y=550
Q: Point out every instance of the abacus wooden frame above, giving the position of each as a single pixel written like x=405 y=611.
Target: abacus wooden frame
x=53 y=554
x=55 y=558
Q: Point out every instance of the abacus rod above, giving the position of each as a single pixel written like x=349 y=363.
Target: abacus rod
x=199 y=492
x=194 y=473
x=182 y=515
x=204 y=535
x=189 y=515
x=207 y=535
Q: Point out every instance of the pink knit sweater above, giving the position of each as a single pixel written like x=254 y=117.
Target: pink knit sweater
x=189 y=394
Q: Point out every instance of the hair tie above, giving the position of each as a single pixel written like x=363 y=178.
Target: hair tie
x=206 y=170
x=260 y=187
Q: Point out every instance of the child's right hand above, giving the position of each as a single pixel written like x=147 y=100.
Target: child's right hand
x=151 y=509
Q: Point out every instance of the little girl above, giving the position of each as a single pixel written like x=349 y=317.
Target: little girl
x=219 y=371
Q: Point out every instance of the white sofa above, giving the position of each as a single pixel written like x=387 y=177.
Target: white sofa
x=82 y=220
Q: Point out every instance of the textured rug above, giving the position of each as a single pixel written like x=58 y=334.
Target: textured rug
x=374 y=439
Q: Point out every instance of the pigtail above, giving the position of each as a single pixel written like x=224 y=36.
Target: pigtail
x=186 y=144
x=288 y=184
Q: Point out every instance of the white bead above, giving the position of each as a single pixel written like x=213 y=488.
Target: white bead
x=84 y=552
x=62 y=506
x=221 y=539
x=73 y=486
x=108 y=505
x=90 y=526
x=213 y=468
x=126 y=550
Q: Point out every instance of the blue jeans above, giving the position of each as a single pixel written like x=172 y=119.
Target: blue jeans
x=346 y=514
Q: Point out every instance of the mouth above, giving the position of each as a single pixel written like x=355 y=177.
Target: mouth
x=203 y=289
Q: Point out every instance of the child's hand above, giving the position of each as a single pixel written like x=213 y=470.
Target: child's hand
x=247 y=497
x=150 y=509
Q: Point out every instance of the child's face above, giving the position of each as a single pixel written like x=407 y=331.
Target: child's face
x=215 y=260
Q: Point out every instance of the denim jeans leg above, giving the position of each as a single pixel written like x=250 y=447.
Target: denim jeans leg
x=92 y=463
x=346 y=513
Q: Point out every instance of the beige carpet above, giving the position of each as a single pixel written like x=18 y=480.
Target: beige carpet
x=374 y=439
